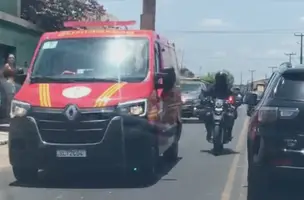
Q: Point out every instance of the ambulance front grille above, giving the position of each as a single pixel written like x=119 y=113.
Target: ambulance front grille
x=54 y=126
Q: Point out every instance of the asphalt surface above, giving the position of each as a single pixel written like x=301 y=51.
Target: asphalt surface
x=198 y=175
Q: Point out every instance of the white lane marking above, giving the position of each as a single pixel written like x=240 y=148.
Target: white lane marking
x=226 y=195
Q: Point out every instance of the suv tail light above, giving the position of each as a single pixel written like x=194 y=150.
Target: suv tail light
x=270 y=114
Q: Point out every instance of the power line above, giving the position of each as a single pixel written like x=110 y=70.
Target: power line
x=256 y=31
x=301 y=46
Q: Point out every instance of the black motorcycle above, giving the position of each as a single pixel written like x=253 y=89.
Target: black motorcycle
x=222 y=114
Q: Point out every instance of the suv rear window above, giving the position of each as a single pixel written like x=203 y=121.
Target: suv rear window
x=291 y=87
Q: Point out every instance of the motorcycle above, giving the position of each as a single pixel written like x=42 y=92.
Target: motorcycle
x=222 y=114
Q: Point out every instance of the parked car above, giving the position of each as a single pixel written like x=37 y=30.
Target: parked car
x=275 y=139
x=191 y=90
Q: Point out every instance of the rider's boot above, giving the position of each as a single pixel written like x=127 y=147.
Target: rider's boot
x=209 y=133
x=229 y=134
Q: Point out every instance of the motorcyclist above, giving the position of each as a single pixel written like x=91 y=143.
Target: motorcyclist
x=220 y=89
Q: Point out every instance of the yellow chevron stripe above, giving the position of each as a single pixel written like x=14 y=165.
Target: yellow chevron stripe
x=44 y=95
x=119 y=86
x=48 y=95
x=105 y=94
x=109 y=94
x=41 y=96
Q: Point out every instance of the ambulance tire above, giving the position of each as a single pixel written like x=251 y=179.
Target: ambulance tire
x=149 y=169
x=171 y=155
x=25 y=175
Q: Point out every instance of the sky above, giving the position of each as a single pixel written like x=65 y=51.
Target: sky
x=179 y=21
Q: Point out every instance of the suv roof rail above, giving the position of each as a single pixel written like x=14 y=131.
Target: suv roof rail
x=100 y=24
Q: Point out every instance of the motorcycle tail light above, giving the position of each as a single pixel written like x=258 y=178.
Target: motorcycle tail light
x=231 y=100
x=270 y=114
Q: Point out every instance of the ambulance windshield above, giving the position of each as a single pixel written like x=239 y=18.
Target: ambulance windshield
x=85 y=59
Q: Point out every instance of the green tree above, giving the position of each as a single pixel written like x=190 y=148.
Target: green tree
x=50 y=14
x=186 y=72
x=210 y=78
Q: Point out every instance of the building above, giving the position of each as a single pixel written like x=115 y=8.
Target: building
x=17 y=36
x=255 y=83
x=261 y=81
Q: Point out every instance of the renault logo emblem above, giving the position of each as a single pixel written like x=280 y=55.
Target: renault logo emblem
x=71 y=112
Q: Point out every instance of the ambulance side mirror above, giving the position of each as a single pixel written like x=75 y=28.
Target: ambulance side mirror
x=158 y=80
x=165 y=79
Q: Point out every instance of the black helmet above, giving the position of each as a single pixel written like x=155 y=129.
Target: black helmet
x=221 y=77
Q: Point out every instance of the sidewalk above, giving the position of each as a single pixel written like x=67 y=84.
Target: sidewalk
x=3 y=134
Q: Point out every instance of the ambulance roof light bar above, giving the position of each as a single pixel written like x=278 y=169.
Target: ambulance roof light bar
x=104 y=24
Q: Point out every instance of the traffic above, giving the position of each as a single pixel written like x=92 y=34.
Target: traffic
x=114 y=100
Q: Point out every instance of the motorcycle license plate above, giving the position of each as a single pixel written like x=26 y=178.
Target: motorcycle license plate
x=218 y=109
x=217 y=117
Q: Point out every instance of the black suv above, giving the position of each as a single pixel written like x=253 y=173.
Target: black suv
x=275 y=143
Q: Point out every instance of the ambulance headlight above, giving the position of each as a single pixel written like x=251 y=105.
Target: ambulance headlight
x=136 y=107
x=19 y=108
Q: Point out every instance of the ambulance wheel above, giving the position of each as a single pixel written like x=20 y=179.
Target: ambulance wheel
x=147 y=171
x=25 y=175
x=171 y=155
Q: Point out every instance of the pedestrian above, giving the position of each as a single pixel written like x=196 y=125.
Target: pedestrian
x=11 y=62
x=9 y=68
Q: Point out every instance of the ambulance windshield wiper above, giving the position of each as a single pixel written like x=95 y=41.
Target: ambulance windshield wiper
x=93 y=79
x=50 y=79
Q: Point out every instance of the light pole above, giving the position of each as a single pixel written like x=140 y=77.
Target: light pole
x=147 y=18
x=252 y=71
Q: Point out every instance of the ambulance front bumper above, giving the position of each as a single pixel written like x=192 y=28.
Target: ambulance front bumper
x=126 y=142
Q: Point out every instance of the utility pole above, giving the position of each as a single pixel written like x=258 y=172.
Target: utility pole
x=272 y=68
x=301 y=46
x=147 y=18
x=241 y=83
x=290 y=55
x=182 y=58
x=200 y=70
x=252 y=71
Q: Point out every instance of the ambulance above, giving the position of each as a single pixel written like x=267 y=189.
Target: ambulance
x=97 y=99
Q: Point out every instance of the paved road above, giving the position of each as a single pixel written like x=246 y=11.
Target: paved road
x=198 y=175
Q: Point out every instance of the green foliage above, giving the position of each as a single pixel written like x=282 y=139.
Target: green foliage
x=50 y=14
x=209 y=77
x=187 y=73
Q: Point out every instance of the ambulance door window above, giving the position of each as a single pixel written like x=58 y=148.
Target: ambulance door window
x=156 y=58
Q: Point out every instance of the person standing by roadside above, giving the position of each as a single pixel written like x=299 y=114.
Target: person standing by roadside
x=9 y=68
x=7 y=86
x=11 y=62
